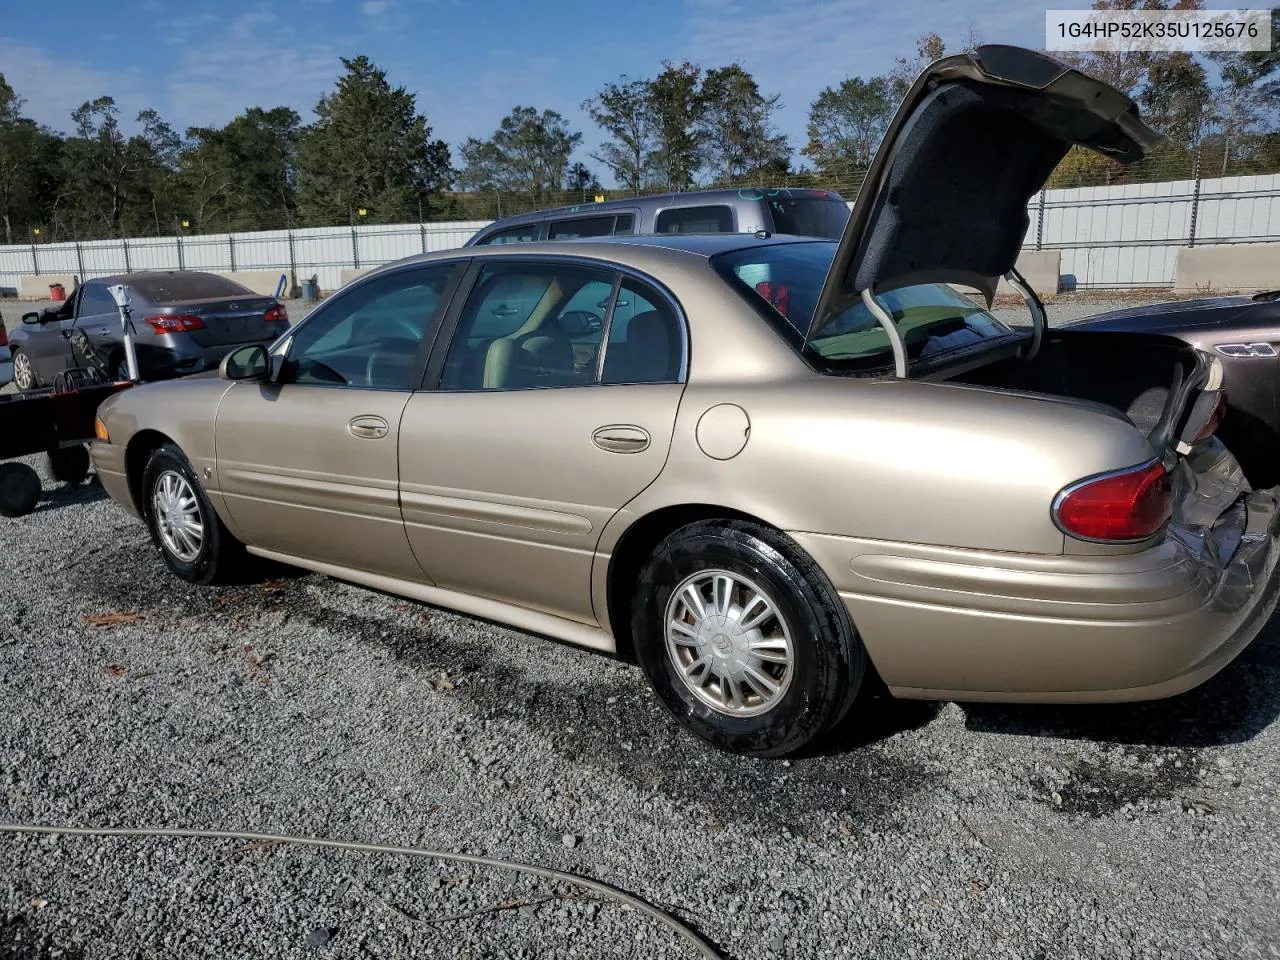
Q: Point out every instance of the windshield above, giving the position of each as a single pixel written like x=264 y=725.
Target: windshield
x=809 y=216
x=785 y=281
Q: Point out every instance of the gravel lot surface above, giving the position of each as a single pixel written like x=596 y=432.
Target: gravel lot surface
x=302 y=705
x=297 y=704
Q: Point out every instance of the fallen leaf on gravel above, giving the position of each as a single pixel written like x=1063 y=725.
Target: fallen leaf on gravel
x=714 y=827
x=111 y=619
x=443 y=682
x=39 y=903
x=432 y=808
x=425 y=619
x=274 y=586
x=116 y=670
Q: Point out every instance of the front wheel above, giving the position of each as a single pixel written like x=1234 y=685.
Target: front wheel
x=24 y=372
x=191 y=538
x=744 y=639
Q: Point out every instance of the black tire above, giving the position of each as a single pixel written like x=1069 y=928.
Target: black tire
x=25 y=377
x=19 y=489
x=70 y=465
x=828 y=659
x=221 y=558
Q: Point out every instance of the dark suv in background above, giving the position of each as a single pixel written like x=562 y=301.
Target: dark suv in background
x=808 y=213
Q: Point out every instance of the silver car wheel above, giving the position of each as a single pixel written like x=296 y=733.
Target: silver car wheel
x=730 y=646
x=178 y=518
x=23 y=374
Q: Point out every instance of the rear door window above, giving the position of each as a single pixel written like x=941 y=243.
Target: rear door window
x=526 y=233
x=625 y=225
x=582 y=227
x=708 y=219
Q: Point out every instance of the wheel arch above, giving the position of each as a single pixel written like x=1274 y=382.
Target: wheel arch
x=136 y=453
x=636 y=543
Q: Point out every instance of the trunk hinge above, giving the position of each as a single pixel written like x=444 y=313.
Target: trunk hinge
x=891 y=329
x=1039 y=319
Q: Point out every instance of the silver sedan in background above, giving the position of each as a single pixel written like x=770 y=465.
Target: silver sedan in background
x=185 y=322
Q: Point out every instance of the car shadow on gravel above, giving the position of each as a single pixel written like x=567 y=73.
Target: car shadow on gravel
x=603 y=718
x=1232 y=707
x=69 y=496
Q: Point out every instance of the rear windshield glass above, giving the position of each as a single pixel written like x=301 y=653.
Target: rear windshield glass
x=809 y=216
x=785 y=280
x=173 y=287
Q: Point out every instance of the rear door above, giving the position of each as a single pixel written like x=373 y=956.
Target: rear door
x=510 y=468
x=308 y=465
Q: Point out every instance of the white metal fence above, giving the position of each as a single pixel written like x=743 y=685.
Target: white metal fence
x=1122 y=236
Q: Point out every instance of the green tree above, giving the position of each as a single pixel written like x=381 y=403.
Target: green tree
x=622 y=110
x=905 y=69
x=736 y=123
x=242 y=175
x=528 y=153
x=846 y=123
x=1176 y=99
x=676 y=107
x=581 y=180
x=28 y=167
x=368 y=148
x=114 y=183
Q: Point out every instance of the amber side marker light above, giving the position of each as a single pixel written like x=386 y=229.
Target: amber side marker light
x=100 y=430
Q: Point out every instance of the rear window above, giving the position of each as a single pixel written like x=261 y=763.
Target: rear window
x=784 y=281
x=582 y=227
x=174 y=287
x=809 y=216
x=709 y=219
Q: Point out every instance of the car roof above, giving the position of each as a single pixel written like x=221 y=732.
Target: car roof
x=642 y=251
x=685 y=199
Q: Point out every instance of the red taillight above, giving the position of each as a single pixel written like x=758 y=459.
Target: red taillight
x=276 y=314
x=175 y=323
x=1215 y=419
x=1131 y=504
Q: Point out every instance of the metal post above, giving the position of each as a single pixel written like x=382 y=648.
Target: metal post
x=35 y=261
x=1195 y=202
x=231 y=248
x=80 y=261
x=355 y=248
x=181 y=262
x=1040 y=224
x=422 y=227
x=293 y=262
x=125 y=244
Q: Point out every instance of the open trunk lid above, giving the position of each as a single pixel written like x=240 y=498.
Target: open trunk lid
x=945 y=198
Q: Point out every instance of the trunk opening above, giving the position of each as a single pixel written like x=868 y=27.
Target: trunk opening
x=1148 y=379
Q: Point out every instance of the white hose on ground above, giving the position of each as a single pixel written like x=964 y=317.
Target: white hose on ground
x=686 y=933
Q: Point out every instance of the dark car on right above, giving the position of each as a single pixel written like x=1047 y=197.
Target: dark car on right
x=1244 y=333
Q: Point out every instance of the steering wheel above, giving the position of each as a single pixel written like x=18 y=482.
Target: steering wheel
x=397 y=346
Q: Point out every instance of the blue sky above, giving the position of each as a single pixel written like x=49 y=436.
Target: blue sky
x=201 y=62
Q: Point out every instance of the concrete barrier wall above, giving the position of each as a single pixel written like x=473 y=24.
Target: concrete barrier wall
x=1226 y=267
x=262 y=282
x=1040 y=268
x=37 y=288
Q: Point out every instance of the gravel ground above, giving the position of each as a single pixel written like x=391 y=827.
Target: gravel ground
x=302 y=705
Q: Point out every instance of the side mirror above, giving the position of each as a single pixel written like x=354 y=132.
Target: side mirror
x=245 y=363
x=33 y=317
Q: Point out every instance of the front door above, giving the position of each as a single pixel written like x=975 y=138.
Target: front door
x=48 y=348
x=535 y=436
x=308 y=465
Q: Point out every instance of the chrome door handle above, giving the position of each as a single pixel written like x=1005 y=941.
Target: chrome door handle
x=621 y=438
x=368 y=427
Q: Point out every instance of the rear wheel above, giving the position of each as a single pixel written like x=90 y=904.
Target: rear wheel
x=24 y=372
x=744 y=639
x=191 y=538
x=19 y=489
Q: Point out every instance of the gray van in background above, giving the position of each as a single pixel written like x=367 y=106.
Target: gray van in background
x=808 y=213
